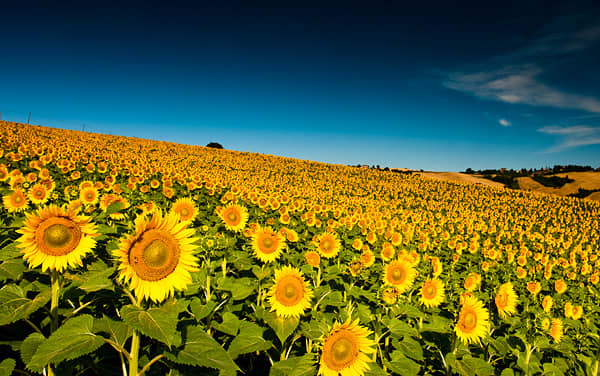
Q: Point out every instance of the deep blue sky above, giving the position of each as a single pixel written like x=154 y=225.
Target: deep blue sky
x=433 y=86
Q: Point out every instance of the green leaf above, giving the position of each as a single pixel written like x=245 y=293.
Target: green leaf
x=73 y=339
x=477 y=366
x=200 y=349
x=118 y=331
x=408 y=310
x=230 y=324
x=294 y=366
x=15 y=305
x=7 y=366
x=12 y=269
x=437 y=324
x=249 y=340
x=552 y=370
x=312 y=330
x=158 y=323
x=283 y=327
x=113 y=208
x=240 y=288
x=200 y=310
x=402 y=365
x=97 y=277
x=334 y=299
x=375 y=370
x=507 y=372
x=411 y=348
x=399 y=328
x=30 y=346
x=10 y=252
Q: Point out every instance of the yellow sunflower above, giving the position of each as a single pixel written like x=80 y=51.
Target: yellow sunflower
x=234 y=217
x=473 y=321
x=432 y=293
x=400 y=274
x=89 y=195
x=313 y=259
x=328 y=244
x=290 y=295
x=15 y=202
x=185 y=208
x=38 y=194
x=345 y=350
x=267 y=244
x=157 y=259
x=556 y=330
x=56 y=238
x=506 y=300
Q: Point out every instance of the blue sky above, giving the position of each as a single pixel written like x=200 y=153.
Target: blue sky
x=437 y=87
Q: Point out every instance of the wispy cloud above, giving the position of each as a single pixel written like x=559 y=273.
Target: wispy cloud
x=570 y=137
x=504 y=122
x=521 y=83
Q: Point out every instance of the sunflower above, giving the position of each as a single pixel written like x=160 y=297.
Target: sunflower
x=345 y=350
x=56 y=238
x=158 y=258
x=400 y=274
x=15 y=202
x=355 y=268
x=472 y=321
x=556 y=330
x=290 y=295
x=387 y=252
x=89 y=195
x=506 y=300
x=185 y=208
x=235 y=217
x=560 y=286
x=432 y=293
x=389 y=295
x=38 y=194
x=110 y=199
x=267 y=244
x=328 y=244
x=312 y=258
x=534 y=287
x=547 y=303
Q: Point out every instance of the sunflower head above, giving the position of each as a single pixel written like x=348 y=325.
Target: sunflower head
x=400 y=274
x=328 y=244
x=506 y=300
x=185 y=208
x=290 y=295
x=473 y=321
x=345 y=350
x=313 y=259
x=157 y=259
x=15 y=202
x=267 y=244
x=234 y=217
x=556 y=330
x=56 y=238
x=432 y=293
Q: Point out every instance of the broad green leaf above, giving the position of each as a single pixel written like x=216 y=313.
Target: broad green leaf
x=334 y=299
x=118 y=331
x=552 y=370
x=283 y=327
x=30 y=346
x=437 y=324
x=7 y=366
x=230 y=324
x=158 y=323
x=12 y=269
x=507 y=372
x=240 y=288
x=97 y=277
x=402 y=365
x=399 y=328
x=73 y=339
x=10 y=252
x=411 y=348
x=375 y=370
x=15 y=305
x=408 y=310
x=200 y=310
x=113 y=208
x=249 y=339
x=294 y=366
x=312 y=330
x=200 y=349
x=478 y=366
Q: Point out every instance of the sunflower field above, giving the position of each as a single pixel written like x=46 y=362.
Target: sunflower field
x=123 y=256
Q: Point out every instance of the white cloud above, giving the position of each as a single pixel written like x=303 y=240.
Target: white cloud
x=569 y=137
x=515 y=77
x=504 y=122
x=519 y=84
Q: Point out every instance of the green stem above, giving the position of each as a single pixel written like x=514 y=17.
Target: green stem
x=55 y=286
x=135 y=349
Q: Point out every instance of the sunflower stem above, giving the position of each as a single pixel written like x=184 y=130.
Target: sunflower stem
x=135 y=349
x=55 y=287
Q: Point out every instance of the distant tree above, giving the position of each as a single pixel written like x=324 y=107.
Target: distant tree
x=214 y=145
x=469 y=170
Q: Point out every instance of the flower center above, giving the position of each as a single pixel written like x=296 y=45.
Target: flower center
x=289 y=290
x=57 y=236
x=156 y=254
x=429 y=291
x=469 y=321
x=341 y=349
